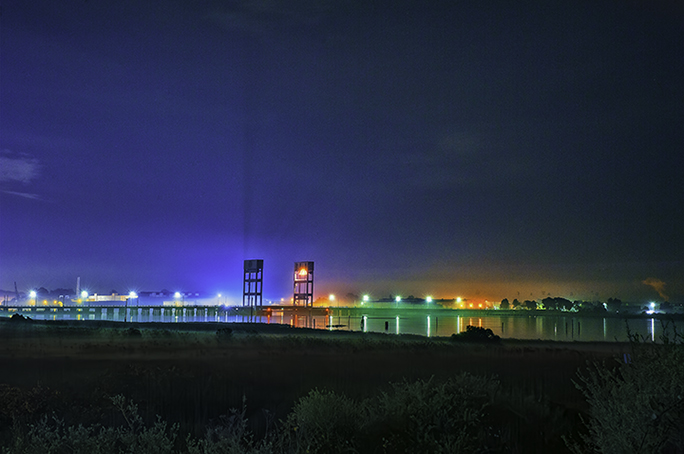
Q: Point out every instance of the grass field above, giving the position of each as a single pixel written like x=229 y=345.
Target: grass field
x=191 y=374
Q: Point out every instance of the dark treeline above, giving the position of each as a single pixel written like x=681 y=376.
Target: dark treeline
x=614 y=305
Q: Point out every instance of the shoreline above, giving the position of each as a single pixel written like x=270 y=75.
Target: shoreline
x=85 y=329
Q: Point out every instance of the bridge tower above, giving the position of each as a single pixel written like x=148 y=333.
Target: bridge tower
x=303 y=283
x=253 y=283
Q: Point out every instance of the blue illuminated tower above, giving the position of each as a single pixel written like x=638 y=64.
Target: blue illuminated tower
x=253 y=283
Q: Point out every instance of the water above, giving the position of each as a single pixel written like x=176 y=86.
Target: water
x=567 y=327
x=545 y=327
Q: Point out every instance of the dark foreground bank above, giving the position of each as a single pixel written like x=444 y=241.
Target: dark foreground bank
x=273 y=388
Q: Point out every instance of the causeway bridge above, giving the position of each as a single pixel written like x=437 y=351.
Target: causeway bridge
x=120 y=312
x=176 y=313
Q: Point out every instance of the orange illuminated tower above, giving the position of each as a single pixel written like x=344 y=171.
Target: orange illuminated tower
x=253 y=284
x=303 y=283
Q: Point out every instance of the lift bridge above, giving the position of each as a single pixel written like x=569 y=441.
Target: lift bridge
x=126 y=307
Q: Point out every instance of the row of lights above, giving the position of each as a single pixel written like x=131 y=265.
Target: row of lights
x=366 y=298
x=84 y=294
x=177 y=295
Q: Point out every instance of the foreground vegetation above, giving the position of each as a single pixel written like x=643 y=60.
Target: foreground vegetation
x=99 y=388
x=636 y=406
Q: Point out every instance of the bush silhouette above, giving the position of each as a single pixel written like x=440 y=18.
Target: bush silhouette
x=636 y=406
x=476 y=334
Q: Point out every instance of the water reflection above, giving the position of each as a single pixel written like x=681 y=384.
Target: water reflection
x=545 y=327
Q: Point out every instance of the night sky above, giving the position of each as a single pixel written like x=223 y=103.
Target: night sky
x=481 y=149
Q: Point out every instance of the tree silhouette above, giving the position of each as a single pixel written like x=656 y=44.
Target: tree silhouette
x=614 y=304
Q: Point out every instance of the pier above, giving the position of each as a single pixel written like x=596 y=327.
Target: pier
x=117 y=312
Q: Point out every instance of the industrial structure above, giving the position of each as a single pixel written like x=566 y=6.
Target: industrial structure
x=303 y=284
x=253 y=284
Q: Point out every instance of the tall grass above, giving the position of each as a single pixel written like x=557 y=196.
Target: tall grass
x=50 y=435
x=637 y=403
x=412 y=417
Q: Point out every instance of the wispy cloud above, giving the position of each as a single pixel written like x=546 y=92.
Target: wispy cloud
x=658 y=286
x=24 y=194
x=18 y=167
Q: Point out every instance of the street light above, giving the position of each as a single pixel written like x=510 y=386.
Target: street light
x=397 y=299
x=131 y=295
x=428 y=299
x=33 y=295
x=331 y=298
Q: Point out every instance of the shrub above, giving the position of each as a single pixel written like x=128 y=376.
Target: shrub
x=132 y=332
x=19 y=406
x=636 y=406
x=230 y=436
x=428 y=417
x=52 y=436
x=476 y=334
x=323 y=422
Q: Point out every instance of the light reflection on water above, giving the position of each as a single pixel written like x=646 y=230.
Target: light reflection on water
x=546 y=327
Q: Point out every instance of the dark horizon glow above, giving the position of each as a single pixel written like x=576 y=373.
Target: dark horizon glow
x=477 y=149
